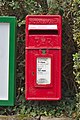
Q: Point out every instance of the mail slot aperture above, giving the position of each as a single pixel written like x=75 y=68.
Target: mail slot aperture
x=43 y=32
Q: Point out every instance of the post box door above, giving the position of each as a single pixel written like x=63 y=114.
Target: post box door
x=43 y=80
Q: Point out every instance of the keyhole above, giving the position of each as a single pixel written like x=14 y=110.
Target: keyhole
x=33 y=73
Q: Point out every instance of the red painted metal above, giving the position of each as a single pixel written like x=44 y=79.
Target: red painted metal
x=43 y=40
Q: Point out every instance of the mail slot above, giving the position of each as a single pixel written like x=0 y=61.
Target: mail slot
x=43 y=57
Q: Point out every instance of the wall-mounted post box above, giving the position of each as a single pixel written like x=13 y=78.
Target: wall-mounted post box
x=43 y=57
x=7 y=60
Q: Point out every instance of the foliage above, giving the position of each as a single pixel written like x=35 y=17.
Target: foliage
x=76 y=56
x=76 y=29
x=66 y=9
x=65 y=107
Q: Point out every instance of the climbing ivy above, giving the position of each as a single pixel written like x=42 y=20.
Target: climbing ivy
x=76 y=56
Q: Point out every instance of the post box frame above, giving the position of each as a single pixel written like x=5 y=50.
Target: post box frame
x=35 y=42
x=12 y=49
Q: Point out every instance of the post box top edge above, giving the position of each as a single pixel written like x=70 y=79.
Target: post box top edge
x=43 y=16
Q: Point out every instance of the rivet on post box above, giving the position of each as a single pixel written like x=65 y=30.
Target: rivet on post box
x=43 y=57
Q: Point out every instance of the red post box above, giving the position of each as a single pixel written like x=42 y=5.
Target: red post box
x=43 y=57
